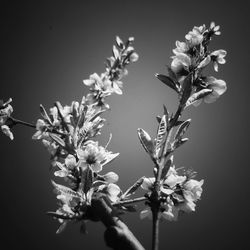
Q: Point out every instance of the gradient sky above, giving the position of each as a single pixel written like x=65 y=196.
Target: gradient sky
x=49 y=47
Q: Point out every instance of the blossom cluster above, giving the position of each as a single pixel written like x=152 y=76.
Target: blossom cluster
x=178 y=193
x=5 y=112
x=110 y=82
x=69 y=132
x=190 y=58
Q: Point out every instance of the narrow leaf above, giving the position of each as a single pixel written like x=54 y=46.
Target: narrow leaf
x=58 y=140
x=198 y=95
x=96 y=115
x=44 y=114
x=110 y=157
x=116 y=52
x=182 y=129
x=172 y=75
x=86 y=180
x=62 y=227
x=65 y=190
x=133 y=188
x=168 y=81
x=166 y=113
x=166 y=167
x=119 y=42
x=177 y=143
x=158 y=118
x=178 y=123
x=146 y=141
x=162 y=129
x=59 y=216
x=60 y=108
x=186 y=89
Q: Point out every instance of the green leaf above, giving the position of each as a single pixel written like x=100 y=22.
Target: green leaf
x=178 y=123
x=65 y=190
x=119 y=42
x=158 y=118
x=182 y=129
x=172 y=75
x=96 y=115
x=62 y=227
x=44 y=114
x=86 y=180
x=198 y=95
x=162 y=129
x=59 y=107
x=116 y=52
x=131 y=190
x=82 y=116
x=59 y=216
x=166 y=113
x=146 y=141
x=166 y=167
x=168 y=81
x=177 y=143
x=58 y=140
x=186 y=89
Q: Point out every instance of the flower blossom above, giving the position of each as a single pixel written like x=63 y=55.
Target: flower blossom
x=5 y=112
x=94 y=156
x=181 y=64
x=218 y=58
x=218 y=88
x=195 y=37
x=215 y=28
x=180 y=194
x=112 y=190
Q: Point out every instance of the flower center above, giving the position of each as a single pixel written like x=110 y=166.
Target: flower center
x=91 y=159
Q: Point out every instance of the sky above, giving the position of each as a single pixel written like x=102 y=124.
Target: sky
x=49 y=47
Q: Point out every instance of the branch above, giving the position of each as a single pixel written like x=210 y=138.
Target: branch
x=131 y=201
x=117 y=235
x=16 y=121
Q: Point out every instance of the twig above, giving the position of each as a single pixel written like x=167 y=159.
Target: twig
x=117 y=236
x=131 y=201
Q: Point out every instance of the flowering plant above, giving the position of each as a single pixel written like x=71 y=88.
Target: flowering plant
x=69 y=133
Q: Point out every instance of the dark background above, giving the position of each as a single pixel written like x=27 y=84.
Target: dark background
x=49 y=47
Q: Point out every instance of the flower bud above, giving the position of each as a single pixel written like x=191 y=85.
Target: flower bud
x=134 y=57
x=111 y=177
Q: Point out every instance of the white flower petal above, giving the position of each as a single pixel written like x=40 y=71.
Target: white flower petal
x=172 y=180
x=111 y=177
x=219 y=86
x=148 y=183
x=168 y=215
x=97 y=167
x=166 y=191
x=6 y=131
x=113 y=192
x=211 y=98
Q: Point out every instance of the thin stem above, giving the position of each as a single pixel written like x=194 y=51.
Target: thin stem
x=16 y=121
x=131 y=201
x=155 y=231
x=155 y=203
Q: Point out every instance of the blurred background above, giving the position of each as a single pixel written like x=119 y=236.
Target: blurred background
x=49 y=47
